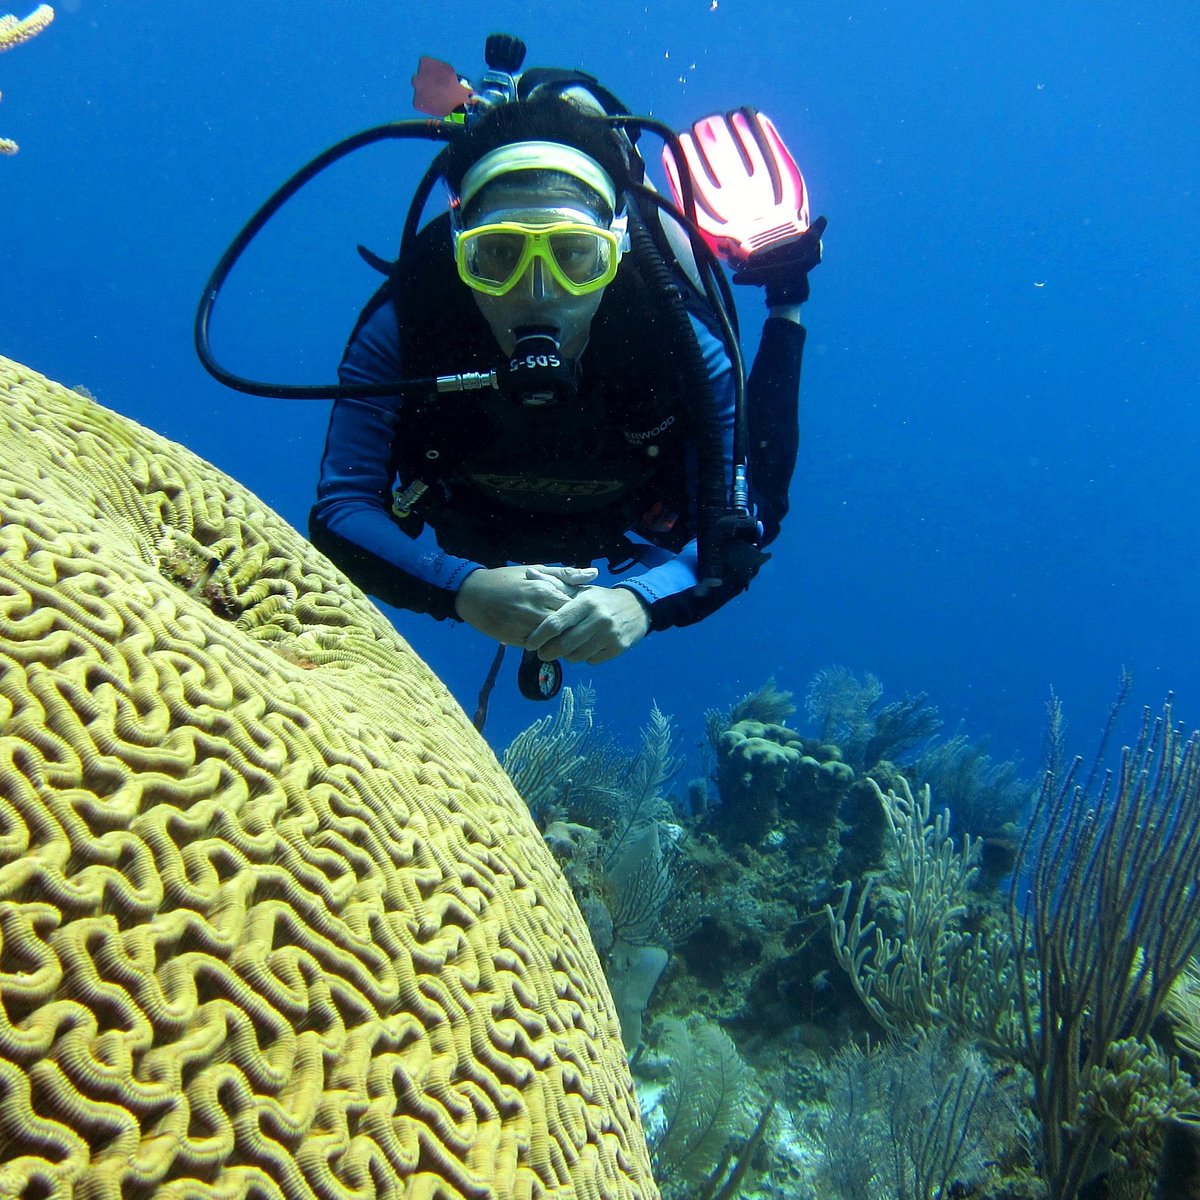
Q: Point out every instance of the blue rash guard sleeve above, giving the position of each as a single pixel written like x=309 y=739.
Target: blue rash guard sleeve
x=351 y=522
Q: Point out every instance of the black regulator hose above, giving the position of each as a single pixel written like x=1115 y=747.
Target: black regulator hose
x=727 y=545
x=711 y=451
x=708 y=268
x=420 y=198
x=720 y=303
x=427 y=130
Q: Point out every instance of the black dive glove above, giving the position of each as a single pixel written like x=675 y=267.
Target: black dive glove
x=783 y=267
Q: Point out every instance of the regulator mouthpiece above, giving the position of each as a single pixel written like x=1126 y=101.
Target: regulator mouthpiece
x=537 y=374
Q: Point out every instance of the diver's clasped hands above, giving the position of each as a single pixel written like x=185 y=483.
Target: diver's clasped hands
x=553 y=610
x=597 y=624
x=509 y=603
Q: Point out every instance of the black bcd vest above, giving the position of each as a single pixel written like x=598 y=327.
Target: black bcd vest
x=509 y=483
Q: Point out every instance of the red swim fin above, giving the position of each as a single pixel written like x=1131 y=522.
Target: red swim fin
x=437 y=89
x=749 y=191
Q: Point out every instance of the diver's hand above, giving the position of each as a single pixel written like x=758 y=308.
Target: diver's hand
x=598 y=624
x=782 y=268
x=508 y=603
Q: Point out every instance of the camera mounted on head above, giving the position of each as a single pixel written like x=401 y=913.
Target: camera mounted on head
x=504 y=55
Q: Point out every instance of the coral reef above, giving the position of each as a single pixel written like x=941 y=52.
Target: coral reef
x=604 y=816
x=766 y=772
x=1024 y=975
x=986 y=798
x=1070 y=987
x=13 y=32
x=1108 y=925
x=904 y=947
x=272 y=920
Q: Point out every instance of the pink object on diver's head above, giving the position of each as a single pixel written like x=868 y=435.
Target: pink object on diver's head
x=437 y=89
x=749 y=191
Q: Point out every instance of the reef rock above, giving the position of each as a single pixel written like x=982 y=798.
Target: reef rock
x=272 y=920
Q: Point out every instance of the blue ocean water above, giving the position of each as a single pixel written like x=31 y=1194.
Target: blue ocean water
x=997 y=485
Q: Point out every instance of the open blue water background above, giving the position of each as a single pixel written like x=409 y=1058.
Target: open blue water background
x=997 y=489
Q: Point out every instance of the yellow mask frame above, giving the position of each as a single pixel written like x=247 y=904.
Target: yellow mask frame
x=566 y=248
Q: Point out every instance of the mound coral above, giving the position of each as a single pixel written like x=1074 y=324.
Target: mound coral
x=272 y=920
x=765 y=768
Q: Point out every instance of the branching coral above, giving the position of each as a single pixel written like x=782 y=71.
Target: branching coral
x=926 y=970
x=983 y=795
x=549 y=758
x=849 y=713
x=919 y=1121
x=839 y=703
x=1109 y=924
x=769 y=704
x=603 y=814
x=14 y=31
x=1129 y=1099
x=705 y=1098
x=1103 y=924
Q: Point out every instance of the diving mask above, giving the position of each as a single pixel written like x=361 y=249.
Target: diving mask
x=580 y=257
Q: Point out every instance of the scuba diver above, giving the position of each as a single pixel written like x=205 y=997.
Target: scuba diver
x=550 y=374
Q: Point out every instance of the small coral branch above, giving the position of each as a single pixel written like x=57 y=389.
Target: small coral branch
x=14 y=31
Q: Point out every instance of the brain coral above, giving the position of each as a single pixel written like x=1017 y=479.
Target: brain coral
x=272 y=920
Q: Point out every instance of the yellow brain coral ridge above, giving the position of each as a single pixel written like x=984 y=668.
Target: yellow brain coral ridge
x=272 y=920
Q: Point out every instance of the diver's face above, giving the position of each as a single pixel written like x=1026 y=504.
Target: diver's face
x=537 y=298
